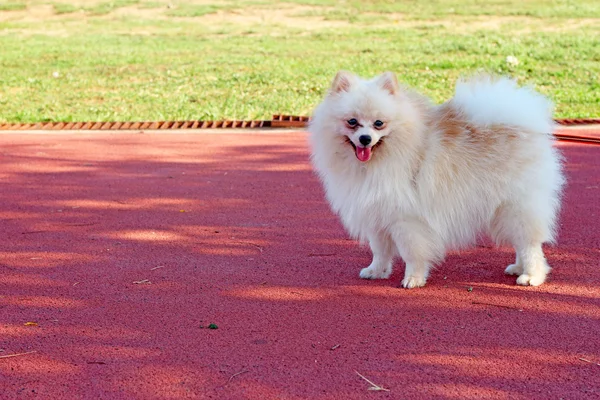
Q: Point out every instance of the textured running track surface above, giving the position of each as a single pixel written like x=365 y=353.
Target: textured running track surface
x=233 y=230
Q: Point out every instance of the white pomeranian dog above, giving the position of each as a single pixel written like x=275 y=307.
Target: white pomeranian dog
x=416 y=179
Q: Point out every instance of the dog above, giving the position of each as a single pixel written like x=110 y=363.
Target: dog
x=417 y=179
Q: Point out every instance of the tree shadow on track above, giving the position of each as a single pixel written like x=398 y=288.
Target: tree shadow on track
x=123 y=249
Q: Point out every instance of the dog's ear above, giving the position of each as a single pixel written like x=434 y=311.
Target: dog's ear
x=389 y=82
x=342 y=82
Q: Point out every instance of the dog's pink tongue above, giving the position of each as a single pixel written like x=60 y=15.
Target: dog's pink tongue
x=363 y=153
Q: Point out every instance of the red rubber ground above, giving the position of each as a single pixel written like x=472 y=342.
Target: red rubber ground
x=233 y=230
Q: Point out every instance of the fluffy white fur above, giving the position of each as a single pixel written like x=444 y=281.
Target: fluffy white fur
x=439 y=175
x=487 y=102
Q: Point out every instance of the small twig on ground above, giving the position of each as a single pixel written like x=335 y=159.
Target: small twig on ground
x=18 y=354
x=588 y=361
x=374 y=386
x=335 y=347
x=160 y=266
x=234 y=375
x=81 y=224
x=497 y=305
x=143 y=281
x=76 y=283
x=251 y=244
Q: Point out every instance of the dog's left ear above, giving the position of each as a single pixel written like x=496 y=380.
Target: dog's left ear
x=389 y=82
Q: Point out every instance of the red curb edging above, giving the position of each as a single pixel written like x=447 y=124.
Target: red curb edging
x=277 y=121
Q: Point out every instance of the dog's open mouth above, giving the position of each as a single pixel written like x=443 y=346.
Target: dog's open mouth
x=363 y=153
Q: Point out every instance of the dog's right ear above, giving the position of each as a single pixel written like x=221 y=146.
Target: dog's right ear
x=342 y=82
x=389 y=82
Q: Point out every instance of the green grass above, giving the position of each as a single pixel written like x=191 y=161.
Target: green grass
x=442 y=8
x=193 y=10
x=108 y=6
x=159 y=66
x=65 y=8
x=151 y=4
x=13 y=5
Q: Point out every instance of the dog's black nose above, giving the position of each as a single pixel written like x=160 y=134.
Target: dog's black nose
x=365 y=140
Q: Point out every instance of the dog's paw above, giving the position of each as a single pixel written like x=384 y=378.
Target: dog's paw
x=375 y=273
x=514 y=269
x=531 y=280
x=410 y=282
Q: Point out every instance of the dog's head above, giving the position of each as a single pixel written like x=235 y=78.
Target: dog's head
x=364 y=110
x=365 y=116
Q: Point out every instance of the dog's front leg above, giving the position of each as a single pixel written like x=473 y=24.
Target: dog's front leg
x=420 y=248
x=383 y=250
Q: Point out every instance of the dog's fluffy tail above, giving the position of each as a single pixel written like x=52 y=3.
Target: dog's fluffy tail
x=489 y=101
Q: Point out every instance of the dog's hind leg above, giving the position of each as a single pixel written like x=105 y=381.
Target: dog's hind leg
x=535 y=267
x=516 y=268
x=525 y=229
x=383 y=250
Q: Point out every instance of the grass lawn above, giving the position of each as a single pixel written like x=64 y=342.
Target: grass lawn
x=87 y=60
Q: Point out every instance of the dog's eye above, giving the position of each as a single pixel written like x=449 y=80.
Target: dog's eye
x=378 y=124
x=352 y=122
